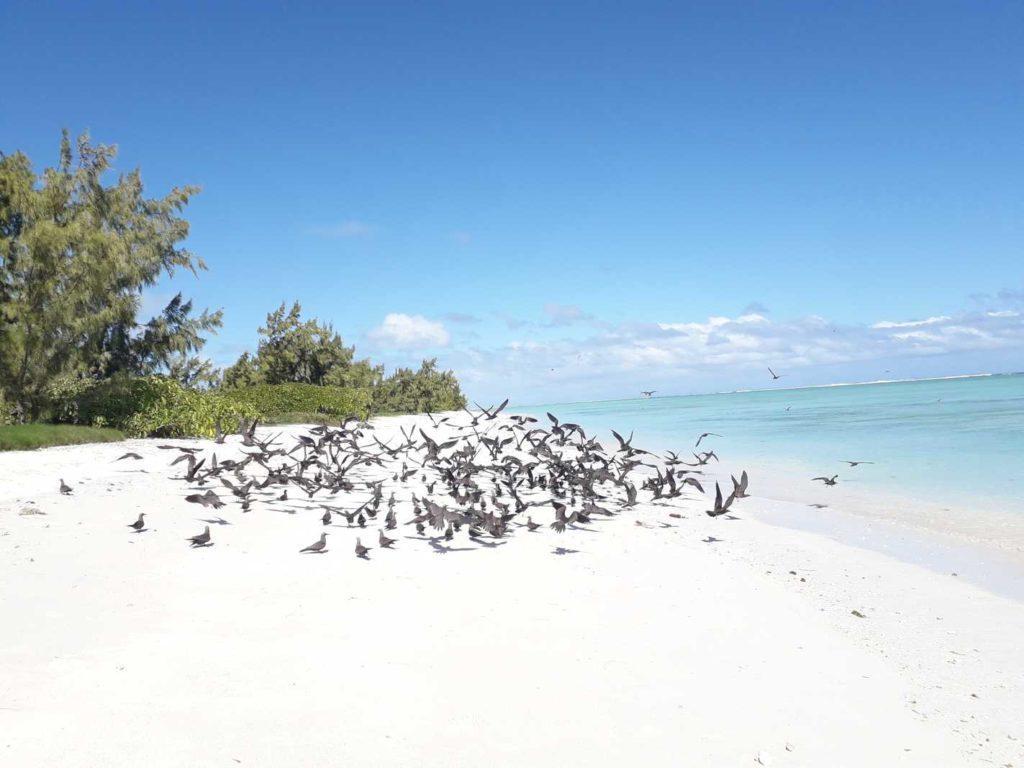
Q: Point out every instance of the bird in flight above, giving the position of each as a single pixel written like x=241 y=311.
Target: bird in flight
x=775 y=376
x=856 y=463
x=827 y=480
x=705 y=434
x=647 y=392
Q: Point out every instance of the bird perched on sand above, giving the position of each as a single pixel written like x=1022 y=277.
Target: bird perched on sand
x=326 y=519
x=65 y=489
x=827 y=480
x=384 y=541
x=140 y=524
x=202 y=539
x=530 y=525
x=361 y=550
x=317 y=546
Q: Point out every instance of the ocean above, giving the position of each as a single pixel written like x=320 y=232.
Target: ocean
x=956 y=442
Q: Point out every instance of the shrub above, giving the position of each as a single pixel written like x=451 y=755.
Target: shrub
x=277 y=399
x=150 y=406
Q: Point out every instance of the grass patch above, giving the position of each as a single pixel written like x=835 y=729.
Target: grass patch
x=27 y=437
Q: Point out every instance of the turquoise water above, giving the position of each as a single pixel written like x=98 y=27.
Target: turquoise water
x=947 y=440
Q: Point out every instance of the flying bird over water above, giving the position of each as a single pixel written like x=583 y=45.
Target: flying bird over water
x=705 y=434
x=856 y=463
x=827 y=480
x=775 y=376
x=647 y=392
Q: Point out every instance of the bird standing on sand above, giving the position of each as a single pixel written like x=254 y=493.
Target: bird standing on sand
x=65 y=489
x=140 y=524
x=317 y=546
x=202 y=539
x=530 y=525
x=384 y=541
x=326 y=519
x=361 y=550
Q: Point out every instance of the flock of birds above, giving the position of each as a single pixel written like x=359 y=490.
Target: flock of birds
x=484 y=473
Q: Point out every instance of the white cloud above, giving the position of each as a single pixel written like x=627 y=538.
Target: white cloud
x=346 y=229
x=731 y=349
x=911 y=323
x=409 y=332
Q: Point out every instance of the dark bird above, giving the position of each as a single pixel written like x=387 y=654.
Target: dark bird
x=703 y=435
x=140 y=524
x=739 y=487
x=647 y=392
x=827 y=480
x=361 y=550
x=326 y=519
x=208 y=499
x=129 y=455
x=531 y=526
x=856 y=463
x=720 y=508
x=775 y=376
x=384 y=541
x=202 y=539
x=65 y=489
x=317 y=546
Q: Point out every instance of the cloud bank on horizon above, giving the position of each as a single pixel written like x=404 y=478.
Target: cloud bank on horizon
x=568 y=354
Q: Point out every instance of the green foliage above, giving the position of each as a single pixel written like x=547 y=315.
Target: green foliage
x=27 y=437
x=428 y=389
x=152 y=406
x=278 y=399
x=75 y=255
x=293 y=350
x=296 y=352
x=243 y=373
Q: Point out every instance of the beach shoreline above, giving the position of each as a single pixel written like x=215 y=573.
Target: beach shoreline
x=636 y=643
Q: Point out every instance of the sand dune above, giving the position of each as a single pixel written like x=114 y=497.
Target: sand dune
x=613 y=644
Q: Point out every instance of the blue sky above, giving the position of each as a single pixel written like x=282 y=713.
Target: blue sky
x=577 y=201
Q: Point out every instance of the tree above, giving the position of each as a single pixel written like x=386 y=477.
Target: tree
x=428 y=389
x=75 y=255
x=295 y=350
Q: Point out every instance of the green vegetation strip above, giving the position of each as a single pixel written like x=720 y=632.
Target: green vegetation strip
x=27 y=437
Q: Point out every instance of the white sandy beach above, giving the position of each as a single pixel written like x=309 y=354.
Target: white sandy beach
x=639 y=644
